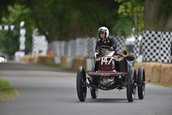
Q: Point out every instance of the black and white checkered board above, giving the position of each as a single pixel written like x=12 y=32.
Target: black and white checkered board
x=156 y=46
x=136 y=47
x=120 y=42
x=165 y=47
x=91 y=43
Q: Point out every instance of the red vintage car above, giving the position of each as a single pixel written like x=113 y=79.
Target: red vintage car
x=115 y=71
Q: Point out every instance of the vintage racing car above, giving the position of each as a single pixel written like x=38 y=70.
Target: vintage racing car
x=115 y=71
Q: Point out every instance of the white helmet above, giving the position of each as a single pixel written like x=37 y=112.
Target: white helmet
x=104 y=30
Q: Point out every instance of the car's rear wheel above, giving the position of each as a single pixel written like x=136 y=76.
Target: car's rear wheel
x=81 y=84
x=131 y=85
x=141 y=83
x=94 y=92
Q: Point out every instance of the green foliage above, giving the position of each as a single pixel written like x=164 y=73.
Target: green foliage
x=6 y=91
x=164 y=11
x=126 y=9
x=4 y=85
x=10 y=40
x=68 y=19
x=133 y=9
x=166 y=6
x=3 y=6
x=123 y=27
x=64 y=19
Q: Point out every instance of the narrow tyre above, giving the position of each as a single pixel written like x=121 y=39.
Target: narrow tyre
x=141 y=83
x=81 y=84
x=131 y=87
x=94 y=92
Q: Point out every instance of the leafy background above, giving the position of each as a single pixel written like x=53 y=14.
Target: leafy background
x=69 y=19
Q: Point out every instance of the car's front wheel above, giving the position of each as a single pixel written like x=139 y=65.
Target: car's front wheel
x=131 y=85
x=81 y=84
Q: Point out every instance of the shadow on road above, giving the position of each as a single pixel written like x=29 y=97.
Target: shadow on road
x=105 y=100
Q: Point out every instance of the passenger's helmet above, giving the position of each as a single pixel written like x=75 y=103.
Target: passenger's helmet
x=104 y=30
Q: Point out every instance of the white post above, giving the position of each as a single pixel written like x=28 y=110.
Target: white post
x=22 y=36
x=140 y=56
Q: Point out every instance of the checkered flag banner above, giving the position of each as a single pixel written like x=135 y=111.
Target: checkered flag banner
x=165 y=47
x=120 y=42
x=136 y=47
x=91 y=43
x=156 y=46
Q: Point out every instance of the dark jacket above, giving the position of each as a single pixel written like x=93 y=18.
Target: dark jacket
x=108 y=42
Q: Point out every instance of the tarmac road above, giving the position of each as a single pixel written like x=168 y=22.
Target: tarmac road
x=49 y=91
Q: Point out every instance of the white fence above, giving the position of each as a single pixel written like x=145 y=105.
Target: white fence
x=151 y=43
x=40 y=45
x=79 y=47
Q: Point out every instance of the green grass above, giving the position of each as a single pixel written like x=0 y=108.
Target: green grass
x=7 y=92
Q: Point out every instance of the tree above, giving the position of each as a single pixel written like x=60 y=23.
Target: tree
x=133 y=9
x=158 y=15
x=53 y=18
x=123 y=27
x=9 y=42
x=148 y=14
x=16 y=14
x=3 y=6
x=64 y=19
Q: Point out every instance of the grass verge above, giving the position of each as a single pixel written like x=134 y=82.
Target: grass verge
x=7 y=92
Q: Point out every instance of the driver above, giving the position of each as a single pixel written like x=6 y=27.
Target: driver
x=104 y=40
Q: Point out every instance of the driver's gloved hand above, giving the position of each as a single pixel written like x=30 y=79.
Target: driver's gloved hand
x=97 y=50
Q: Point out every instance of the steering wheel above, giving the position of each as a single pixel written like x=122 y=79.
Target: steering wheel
x=104 y=47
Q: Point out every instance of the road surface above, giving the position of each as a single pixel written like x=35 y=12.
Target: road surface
x=49 y=91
